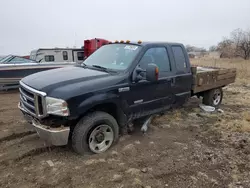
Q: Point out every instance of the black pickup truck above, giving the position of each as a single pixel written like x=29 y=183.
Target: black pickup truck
x=89 y=105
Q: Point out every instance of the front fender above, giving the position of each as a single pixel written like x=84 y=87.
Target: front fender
x=92 y=101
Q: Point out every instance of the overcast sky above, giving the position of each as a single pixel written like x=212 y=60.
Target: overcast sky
x=30 y=24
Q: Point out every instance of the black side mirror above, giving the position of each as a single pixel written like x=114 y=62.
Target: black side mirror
x=151 y=72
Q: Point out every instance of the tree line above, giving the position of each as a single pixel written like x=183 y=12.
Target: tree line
x=237 y=44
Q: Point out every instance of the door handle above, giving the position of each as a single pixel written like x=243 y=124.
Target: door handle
x=172 y=80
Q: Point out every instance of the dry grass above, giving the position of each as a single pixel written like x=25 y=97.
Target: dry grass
x=242 y=66
x=247 y=116
x=236 y=103
x=237 y=95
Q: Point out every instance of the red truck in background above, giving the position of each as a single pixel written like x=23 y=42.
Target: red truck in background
x=26 y=56
x=92 y=45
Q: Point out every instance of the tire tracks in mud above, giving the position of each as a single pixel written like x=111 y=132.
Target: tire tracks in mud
x=7 y=109
x=31 y=153
x=19 y=146
x=34 y=152
x=16 y=135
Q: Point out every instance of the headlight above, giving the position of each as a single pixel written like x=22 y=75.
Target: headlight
x=57 y=106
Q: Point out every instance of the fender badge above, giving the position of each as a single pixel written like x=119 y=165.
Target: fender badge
x=123 y=89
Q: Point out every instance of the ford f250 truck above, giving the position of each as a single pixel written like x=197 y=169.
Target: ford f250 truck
x=91 y=104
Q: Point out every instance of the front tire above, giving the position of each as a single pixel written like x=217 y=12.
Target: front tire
x=95 y=133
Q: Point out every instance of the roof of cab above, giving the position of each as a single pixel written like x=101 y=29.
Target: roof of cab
x=144 y=43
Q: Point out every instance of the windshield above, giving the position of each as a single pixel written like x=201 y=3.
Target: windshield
x=113 y=56
x=21 y=60
x=33 y=54
x=5 y=59
x=16 y=60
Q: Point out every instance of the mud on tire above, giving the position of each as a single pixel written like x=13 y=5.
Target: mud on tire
x=83 y=136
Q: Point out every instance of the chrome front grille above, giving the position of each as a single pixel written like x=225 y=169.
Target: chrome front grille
x=32 y=101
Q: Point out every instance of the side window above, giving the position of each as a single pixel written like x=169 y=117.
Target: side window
x=80 y=56
x=49 y=58
x=179 y=57
x=158 y=56
x=65 y=55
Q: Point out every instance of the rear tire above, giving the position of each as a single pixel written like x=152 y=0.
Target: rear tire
x=213 y=97
x=95 y=133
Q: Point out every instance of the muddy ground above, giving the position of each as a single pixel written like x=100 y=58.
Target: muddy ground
x=184 y=148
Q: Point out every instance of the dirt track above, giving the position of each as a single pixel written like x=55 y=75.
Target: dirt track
x=184 y=148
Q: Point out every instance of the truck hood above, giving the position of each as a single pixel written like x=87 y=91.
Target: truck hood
x=48 y=80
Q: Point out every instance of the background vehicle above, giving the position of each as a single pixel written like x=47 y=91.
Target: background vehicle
x=92 y=45
x=57 y=55
x=14 y=68
x=13 y=59
x=68 y=54
x=1 y=57
x=118 y=84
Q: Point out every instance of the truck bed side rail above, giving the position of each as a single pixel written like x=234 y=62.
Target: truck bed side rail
x=206 y=78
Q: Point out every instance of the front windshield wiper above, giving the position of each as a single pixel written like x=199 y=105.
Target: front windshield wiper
x=100 y=67
x=103 y=68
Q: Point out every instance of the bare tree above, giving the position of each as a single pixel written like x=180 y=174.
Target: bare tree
x=190 y=48
x=241 y=39
x=227 y=48
x=213 y=48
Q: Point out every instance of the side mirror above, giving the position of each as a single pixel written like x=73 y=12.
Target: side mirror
x=152 y=72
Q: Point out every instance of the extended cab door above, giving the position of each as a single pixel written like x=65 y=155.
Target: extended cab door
x=150 y=97
x=182 y=70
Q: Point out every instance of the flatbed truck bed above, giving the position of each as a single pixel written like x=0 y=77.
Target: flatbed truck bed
x=207 y=78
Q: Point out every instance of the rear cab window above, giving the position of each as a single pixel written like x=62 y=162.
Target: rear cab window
x=180 y=59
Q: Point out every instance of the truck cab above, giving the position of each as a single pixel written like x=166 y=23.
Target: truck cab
x=91 y=104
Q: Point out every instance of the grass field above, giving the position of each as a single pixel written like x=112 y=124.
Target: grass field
x=242 y=66
x=241 y=87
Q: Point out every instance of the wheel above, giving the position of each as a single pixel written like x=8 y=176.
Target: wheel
x=213 y=97
x=95 y=133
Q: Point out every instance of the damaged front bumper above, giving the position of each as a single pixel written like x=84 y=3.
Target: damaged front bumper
x=55 y=136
